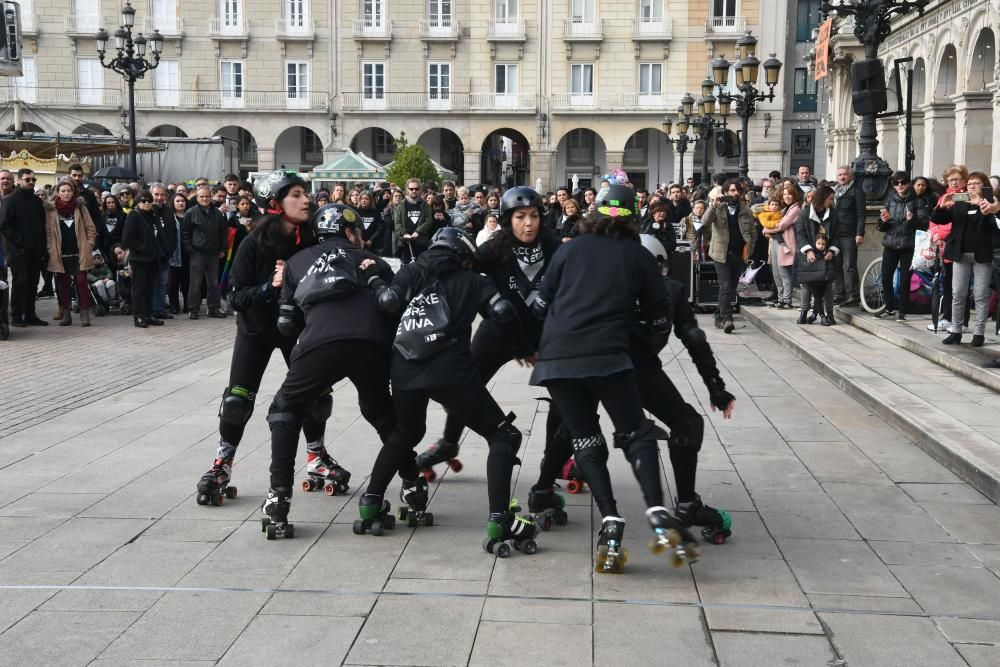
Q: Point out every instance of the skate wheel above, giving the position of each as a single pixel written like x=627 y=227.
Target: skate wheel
x=573 y=486
x=289 y=531
x=546 y=522
x=230 y=492
x=455 y=465
x=377 y=529
x=561 y=518
x=218 y=499
x=430 y=475
x=401 y=513
x=716 y=537
x=676 y=560
x=389 y=522
x=488 y=545
x=202 y=499
x=428 y=519
x=530 y=547
x=503 y=550
x=358 y=527
x=411 y=521
x=272 y=531
x=306 y=486
x=330 y=490
x=658 y=546
x=264 y=523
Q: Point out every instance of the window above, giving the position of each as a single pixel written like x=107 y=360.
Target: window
x=805 y=91
x=231 y=15
x=439 y=85
x=439 y=13
x=297 y=85
x=248 y=145
x=382 y=144
x=505 y=85
x=582 y=11
x=582 y=84
x=650 y=78
x=26 y=85
x=87 y=14
x=580 y=144
x=165 y=16
x=636 y=149
x=373 y=85
x=312 y=147
x=168 y=85
x=296 y=15
x=373 y=13
x=724 y=8
x=90 y=80
x=232 y=83
x=806 y=19
x=651 y=11
x=505 y=9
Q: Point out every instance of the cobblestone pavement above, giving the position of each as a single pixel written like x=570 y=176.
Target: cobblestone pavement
x=850 y=545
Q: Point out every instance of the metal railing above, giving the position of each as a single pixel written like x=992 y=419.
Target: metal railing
x=440 y=27
x=169 y=26
x=725 y=24
x=63 y=97
x=373 y=27
x=286 y=26
x=82 y=24
x=441 y=102
x=499 y=29
x=249 y=100
x=611 y=102
x=653 y=27
x=221 y=28
x=581 y=28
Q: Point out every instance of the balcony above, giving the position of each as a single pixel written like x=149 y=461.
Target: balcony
x=725 y=27
x=439 y=29
x=170 y=27
x=505 y=30
x=63 y=97
x=579 y=29
x=229 y=30
x=82 y=25
x=614 y=102
x=653 y=29
x=289 y=29
x=443 y=102
x=219 y=100
x=373 y=28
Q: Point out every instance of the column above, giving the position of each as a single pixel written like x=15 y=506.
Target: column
x=939 y=136
x=612 y=160
x=918 y=144
x=265 y=159
x=542 y=165
x=973 y=129
x=889 y=142
x=472 y=166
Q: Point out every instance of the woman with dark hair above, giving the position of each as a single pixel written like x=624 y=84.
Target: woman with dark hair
x=372 y=225
x=899 y=221
x=146 y=243
x=782 y=249
x=730 y=228
x=179 y=278
x=113 y=219
x=72 y=239
x=818 y=219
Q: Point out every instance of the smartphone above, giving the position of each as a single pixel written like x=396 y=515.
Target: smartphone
x=960 y=196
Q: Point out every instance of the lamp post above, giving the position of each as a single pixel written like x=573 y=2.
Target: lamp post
x=700 y=115
x=747 y=94
x=130 y=62
x=871 y=26
x=680 y=142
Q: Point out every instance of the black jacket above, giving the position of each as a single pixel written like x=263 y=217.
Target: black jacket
x=143 y=236
x=204 y=230
x=967 y=219
x=374 y=231
x=23 y=223
x=850 y=210
x=665 y=233
x=590 y=290
x=353 y=316
x=806 y=231
x=898 y=232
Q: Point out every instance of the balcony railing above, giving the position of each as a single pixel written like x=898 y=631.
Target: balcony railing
x=615 y=102
x=653 y=28
x=418 y=102
x=85 y=25
x=248 y=100
x=725 y=25
x=507 y=29
x=169 y=26
x=582 y=29
x=373 y=27
x=63 y=97
x=439 y=27
x=233 y=29
x=286 y=27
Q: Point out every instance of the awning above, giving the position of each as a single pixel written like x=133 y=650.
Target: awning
x=349 y=166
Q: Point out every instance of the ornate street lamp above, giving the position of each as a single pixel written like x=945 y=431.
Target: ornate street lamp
x=131 y=63
x=872 y=25
x=680 y=142
x=699 y=115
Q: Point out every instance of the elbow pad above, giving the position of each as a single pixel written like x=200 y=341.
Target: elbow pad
x=502 y=310
x=662 y=324
x=290 y=320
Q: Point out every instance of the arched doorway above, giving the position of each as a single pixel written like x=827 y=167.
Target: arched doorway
x=947 y=76
x=983 y=60
x=504 y=160
x=241 y=149
x=94 y=129
x=444 y=147
x=939 y=115
x=376 y=143
x=649 y=159
x=298 y=148
x=167 y=131
x=581 y=153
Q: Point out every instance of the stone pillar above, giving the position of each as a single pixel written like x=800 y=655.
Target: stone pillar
x=973 y=129
x=472 y=166
x=612 y=160
x=995 y=162
x=265 y=159
x=918 y=145
x=889 y=142
x=939 y=133
x=542 y=163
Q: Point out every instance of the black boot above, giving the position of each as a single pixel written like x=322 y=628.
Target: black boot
x=953 y=339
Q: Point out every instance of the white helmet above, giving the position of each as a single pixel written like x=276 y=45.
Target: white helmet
x=655 y=248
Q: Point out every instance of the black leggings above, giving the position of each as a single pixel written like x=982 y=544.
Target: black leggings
x=178 y=284
x=143 y=284
x=363 y=362
x=577 y=400
x=478 y=410
x=891 y=258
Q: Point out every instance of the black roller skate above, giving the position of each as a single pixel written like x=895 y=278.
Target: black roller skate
x=509 y=527
x=670 y=534
x=574 y=478
x=325 y=473
x=715 y=523
x=547 y=508
x=611 y=555
x=376 y=516
x=274 y=514
x=441 y=451
x=413 y=504
x=213 y=487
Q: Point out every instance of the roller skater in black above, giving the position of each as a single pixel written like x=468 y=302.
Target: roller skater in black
x=438 y=298
x=413 y=498
x=376 y=516
x=611 y=555
x=341 y=334
x=547 y=508
x=509 y=529
x=254 y=286
x=588 y=301
x=274 y=514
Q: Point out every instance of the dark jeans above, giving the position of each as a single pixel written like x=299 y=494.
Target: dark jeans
x=204 y=271
x=728 y=275
x=143 y=285
x=845 y=269
x=25 y=271
x=178 y=284
x=63 y=293
x=891 y=258
x=160 y=291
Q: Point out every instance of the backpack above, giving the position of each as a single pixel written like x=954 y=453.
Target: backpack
x=332 y=276
x=423 y=328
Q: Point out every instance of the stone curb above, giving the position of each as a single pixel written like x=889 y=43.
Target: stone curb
x=966 y=369
x=950 y=452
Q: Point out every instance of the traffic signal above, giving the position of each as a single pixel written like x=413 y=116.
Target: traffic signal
x=868 y=87
x=10 y=40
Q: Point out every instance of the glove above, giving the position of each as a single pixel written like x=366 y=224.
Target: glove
x=369 y=274
x=290 y=320
x=717 y=394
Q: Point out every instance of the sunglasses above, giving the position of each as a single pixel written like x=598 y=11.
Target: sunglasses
x=29 y=180
x=900 y=182
x=413 y=189
x=145 y=201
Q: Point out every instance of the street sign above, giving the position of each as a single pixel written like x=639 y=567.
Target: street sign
x=822 y=67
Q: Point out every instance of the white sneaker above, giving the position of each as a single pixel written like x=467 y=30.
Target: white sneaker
x=942 y=326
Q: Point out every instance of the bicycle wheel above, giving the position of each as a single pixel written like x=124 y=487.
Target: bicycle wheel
x=872 y=298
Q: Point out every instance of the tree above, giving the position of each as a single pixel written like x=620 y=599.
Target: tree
x=411 y=162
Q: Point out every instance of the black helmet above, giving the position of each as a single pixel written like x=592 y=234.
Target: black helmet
x=333 y=220
x=519 y=197
x=454 y=239
x=618 y=202
x=274 y=185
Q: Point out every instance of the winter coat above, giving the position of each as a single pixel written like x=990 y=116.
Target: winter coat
x=143 y=236
x=716 y=227
x=850 y=210
x=374 y=230
x=424 y=226
x=23 y=224
x=462 y=215
x=967 y=219
x=806 y=230
x=784 y=234
x=204 y=230
x=899 y=233
x=86 y=236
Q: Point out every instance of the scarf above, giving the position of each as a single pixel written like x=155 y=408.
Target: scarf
x=530 y=262
x=841 y=190
x=65 y=208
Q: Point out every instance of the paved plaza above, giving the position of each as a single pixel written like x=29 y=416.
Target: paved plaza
x=851 y=545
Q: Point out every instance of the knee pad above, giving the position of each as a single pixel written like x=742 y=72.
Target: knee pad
x=689 y=433
x=507 y=438
x=593 y=448
x=640 y=440
x=321 y=409
x=237 y=405
x=277 y=418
